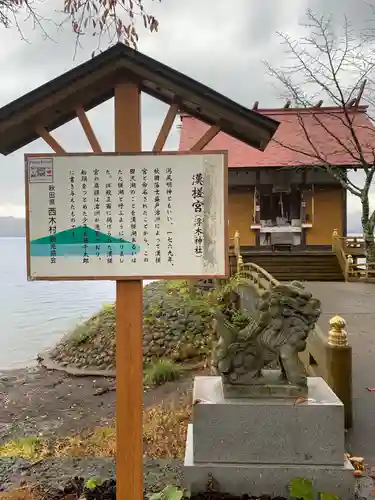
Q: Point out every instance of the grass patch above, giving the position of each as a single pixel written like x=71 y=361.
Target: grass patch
x=165 y=429
x=30 y=447
x=99 y=443
x=162 y=371
x=164 y=436
x=19 y=494
x=102 y=322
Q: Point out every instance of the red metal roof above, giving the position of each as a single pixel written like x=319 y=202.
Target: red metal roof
x=326 y=127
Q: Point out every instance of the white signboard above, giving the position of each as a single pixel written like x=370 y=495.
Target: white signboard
x=124 y=216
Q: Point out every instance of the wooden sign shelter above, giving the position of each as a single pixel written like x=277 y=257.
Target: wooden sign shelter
x=123 y=73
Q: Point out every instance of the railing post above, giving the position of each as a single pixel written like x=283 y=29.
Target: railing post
x=349 y=267
x=237 y=243
x=239 y=263
x=335 y=237
x=256 y=214
x=339 y=366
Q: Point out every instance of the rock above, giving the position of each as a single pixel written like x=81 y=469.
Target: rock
x=188 y=351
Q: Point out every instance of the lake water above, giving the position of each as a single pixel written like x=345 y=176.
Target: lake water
x=34 y=316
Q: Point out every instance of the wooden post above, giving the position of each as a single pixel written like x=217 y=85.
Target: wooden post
x=339 y=366
x=349 y=266
x=129 y=360
x=335 y=239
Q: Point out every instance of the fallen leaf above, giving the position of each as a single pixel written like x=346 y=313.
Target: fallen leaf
x=102 y=390
x=300 y=400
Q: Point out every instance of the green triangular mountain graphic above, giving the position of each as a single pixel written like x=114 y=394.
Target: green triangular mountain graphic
x=78 y=236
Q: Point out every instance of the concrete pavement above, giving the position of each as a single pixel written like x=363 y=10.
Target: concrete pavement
x=355 y=302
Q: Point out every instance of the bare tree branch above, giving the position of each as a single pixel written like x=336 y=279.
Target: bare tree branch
x=116 y=20
x=334 y=64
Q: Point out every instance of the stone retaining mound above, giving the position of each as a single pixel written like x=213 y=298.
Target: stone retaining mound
x=176 y=325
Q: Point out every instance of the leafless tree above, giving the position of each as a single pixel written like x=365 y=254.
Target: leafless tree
x=113 y=20
x=337 y=66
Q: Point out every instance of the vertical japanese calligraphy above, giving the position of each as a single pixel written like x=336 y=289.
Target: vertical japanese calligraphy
x=52 y=222
x=145 y=214
x=72 y=200
x=84 y=188
x=108 y=214
x=198 y=206
x=133 y=218
x=169 y=191
x=120 y=207
x=126 y=216
x=157 y=215
x=96 y=200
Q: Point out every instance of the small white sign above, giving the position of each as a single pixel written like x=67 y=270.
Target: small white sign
x=40 y=170
x=124 y=216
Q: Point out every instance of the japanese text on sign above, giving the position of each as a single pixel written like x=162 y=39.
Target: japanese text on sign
x=120 y=216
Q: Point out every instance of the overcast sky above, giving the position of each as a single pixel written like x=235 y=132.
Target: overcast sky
x=220 y=43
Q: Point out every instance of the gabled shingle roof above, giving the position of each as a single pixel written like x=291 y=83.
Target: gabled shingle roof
x=93 y=82
x=326 y=127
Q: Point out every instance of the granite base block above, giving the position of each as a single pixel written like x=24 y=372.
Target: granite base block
x=272 y=430
x=266 y=479
x=269 y=385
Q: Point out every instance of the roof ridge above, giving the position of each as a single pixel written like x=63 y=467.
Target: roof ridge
x=293 y=111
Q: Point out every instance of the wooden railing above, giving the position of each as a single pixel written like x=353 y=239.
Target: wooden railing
x=259 y=277
x=337 y=248
x=353 y=244
x=345 y=248
x=327 y=356
x=360 y=272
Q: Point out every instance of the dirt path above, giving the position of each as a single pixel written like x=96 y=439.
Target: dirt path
x=41 y=402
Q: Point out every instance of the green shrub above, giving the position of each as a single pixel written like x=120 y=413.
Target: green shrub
x=302 y=488
x=161 y=371
x=169 y=493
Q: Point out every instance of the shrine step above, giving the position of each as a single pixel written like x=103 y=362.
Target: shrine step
x=293 y=266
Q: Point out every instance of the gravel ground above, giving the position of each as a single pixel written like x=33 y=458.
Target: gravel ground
x=37 y=401
x=53 y=475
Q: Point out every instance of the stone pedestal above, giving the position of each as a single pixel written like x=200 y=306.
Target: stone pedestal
x=258 y=446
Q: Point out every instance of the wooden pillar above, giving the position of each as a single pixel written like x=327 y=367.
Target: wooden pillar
x=129 y=361
x=257 y=202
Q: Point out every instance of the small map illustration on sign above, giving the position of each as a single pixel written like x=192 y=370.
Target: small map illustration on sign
x=41 y=170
